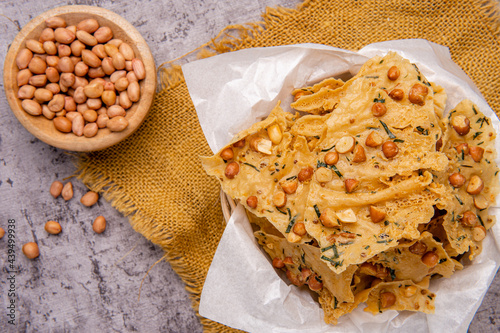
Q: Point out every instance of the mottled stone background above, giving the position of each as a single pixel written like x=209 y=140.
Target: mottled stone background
x=84 y=282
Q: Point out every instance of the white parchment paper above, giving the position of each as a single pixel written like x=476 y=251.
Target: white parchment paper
x=234 y=90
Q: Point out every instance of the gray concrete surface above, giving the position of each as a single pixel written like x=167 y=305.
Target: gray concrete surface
x=83 y=282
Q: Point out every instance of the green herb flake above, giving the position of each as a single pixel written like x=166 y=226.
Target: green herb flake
x=458 y=199
x=253 y=166
x=480 y=220
x=389 y=133
x=399 y=140
x=290 y=225
x=292 y=177
x=422 y=130
x=371 y=76
x=316 y=209
x=476 y=135
x=327 y=149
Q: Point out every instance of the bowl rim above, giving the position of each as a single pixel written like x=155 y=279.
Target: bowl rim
x=75 y=143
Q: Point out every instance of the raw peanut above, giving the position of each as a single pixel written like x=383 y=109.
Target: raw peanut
x=99 y=51
x=118 y=61
x=359 y=154
x=47 y=113
x=82 y=108
x=72 y=28
x=131 y=77
x=329 y=219
x=65 y=65
x=91 y=59
x=64 y=35
x=67 y=191
x=53 y=228
x=38 y=80
x=116 y=42
x=107 y=66
x=31 y=107
x=52 y=61
x=134 y=92
x=99 y=225
x=57 y=103
x=35 y=46
x=103 y=34
x=279 y=198
x=390 y=149
x=31 y=250
x=53 y=87
x=23 y=77
x=417 y=94
x=47 y=35
x=94 y=104
x=43 y=95
x=393 y=73
x=478 y=233
x=476 y=153
x=379 y=109
x=52 y=74
x=323 y=175
x=128 y=66
x=79 y=95
x=41 y=56
x=37 y=66
x=108 y=85
x=71 y=115
x=387 y=299
x=138 y=67
x=23 y=58
x=69 y=104
x=55 y=22
x=397 y=94
x=96 y=72
x=456 y=179
x=127 y=51
x=126 y=103
x=90 y=130
x=67 y=79
x=331 y=158
x=88 y=25
x=75 y=60
x=351 y=185
x=117 y=124
x=86 y=38
x=62 y=124
x=77 y=125
x=56 y=188
x=63 y=50
x=93 y=89
x=461 y=124
x=81 y=69
x=79 y=82
x=61 y=113
x=26 y=92
x=102 y=110
x=89 y=199
x=111 y=50
x=50 y=48
x=117 y=75
x=108 y=97
x=475 y=185
x=345 y=144
x=121 y=84
x=376 y=214
x=373 y=140
x=98 y=80
x=64 y=89
x=115 y=111
x=77 y=47
x=102 y=120
x=305 y=174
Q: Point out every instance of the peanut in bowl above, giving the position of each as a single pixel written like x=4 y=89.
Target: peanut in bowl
x=64 y=91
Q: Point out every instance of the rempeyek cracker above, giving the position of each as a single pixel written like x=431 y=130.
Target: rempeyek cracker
x=369 y=190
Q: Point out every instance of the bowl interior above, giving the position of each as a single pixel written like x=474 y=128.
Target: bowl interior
x=42 y=127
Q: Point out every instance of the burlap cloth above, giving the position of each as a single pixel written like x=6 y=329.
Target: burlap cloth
x=155 y=176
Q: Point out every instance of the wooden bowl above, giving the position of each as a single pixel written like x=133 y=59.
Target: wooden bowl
x=42 y=127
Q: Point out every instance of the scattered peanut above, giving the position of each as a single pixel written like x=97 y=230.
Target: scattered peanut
x=397 y=94
x=252 y=201
x=67 y=191
x=31 y=250
x=390 y=149
x=99 y=225
x=227 y=154
x=393 y=73
x=232 y=169
x=418 y=93
x=56 y=188
x=2 y=233
x=52 y=227
x=89 y=199
x=457 y=179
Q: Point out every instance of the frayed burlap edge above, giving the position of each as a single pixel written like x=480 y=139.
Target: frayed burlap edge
x=170 y=74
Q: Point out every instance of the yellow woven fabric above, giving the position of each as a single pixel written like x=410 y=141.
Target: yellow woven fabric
x=155 y=176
